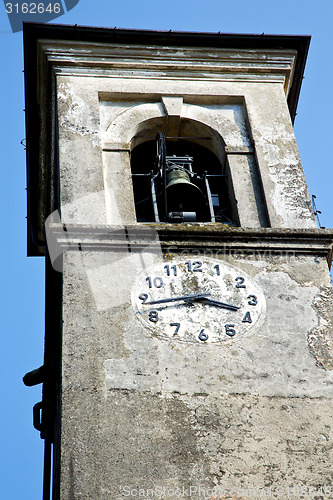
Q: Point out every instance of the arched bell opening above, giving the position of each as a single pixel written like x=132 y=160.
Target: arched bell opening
x=179 y=180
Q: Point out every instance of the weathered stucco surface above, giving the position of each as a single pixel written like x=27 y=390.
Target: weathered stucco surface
x=99 y=113
x=141 y=411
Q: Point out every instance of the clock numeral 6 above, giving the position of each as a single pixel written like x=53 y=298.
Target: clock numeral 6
x=202 y=335
x=230 y=330
x=153 y=316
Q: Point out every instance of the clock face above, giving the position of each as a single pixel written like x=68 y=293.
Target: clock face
x=198 y=300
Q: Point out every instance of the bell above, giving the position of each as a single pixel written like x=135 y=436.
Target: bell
x=183 y=195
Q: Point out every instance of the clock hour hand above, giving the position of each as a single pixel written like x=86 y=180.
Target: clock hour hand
x=189 y=298
x=216 y=303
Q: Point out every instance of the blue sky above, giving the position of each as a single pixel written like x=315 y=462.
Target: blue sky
x=22 y=291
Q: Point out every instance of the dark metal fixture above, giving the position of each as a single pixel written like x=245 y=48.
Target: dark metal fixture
x=178 y=193
x=316 y=212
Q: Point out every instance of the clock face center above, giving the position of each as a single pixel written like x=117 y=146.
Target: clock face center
x=198 y=300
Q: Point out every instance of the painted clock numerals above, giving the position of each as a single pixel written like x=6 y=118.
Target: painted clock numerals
x=177 y=325
x=230 y=330
x=200 y=301
x=143 y=297
x=194 y=266
x=203 y=335
x=217 y=269
x=247 y=318
x=170 y=270
x=240 y=282
x=156 y=282
x=153 y=316
x=253 y=300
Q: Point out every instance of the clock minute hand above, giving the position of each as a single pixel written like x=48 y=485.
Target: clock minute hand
x=216 y=303
x=195 y=296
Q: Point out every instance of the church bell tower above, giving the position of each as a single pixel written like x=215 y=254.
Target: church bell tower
x=188 y=336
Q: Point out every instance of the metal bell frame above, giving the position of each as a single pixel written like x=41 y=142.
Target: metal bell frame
x=158 y=179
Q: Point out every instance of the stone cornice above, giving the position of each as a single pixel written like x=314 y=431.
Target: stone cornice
x=190 y=238
x=185 y=63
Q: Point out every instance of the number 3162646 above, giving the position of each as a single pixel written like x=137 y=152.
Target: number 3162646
x=33 y=8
